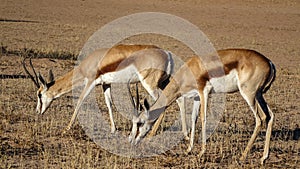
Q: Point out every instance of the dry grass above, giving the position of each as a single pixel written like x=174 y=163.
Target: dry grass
x=35 y=141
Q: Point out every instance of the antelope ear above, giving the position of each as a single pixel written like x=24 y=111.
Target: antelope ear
x=51 y=76
x=42 y=80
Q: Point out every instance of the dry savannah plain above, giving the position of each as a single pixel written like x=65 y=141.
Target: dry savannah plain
x=53 y=32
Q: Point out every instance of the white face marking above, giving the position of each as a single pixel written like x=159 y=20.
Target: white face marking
x=38 y=106
x=225 y=84
x=46 y=103
x=43 y=101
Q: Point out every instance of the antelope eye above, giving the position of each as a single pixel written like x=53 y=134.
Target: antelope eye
x=39 y=95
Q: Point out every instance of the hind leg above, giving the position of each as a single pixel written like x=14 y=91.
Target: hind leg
x=269 y=118
x=250 y=99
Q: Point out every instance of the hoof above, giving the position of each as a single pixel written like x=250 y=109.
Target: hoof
x=65 y=131
x=262 y=161
x=188 y=150
x=201 y=153
x=241 y=159
x=187 y=138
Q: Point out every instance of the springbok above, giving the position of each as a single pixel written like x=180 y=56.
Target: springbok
x=245 y=70
x=147 y=64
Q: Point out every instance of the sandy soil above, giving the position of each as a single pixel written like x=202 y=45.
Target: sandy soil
x=271 y=27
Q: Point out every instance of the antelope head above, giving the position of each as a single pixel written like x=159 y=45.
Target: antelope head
x=136 y=118
x=44 y=97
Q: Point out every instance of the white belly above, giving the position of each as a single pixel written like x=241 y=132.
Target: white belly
x=191 y=94
x=225 y=84
x=129 y=74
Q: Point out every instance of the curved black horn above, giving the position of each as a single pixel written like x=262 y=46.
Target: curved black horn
x=136 y=102
x=34 y=79
x=137 y=97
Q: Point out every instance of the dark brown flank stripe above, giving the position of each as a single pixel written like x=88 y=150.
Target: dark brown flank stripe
x=116 y=65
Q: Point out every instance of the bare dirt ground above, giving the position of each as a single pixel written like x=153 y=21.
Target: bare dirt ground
x=59 y=29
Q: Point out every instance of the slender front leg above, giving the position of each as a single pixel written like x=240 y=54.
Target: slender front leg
x=87 y=89
x=181 y=103
x=195 y=114
x=204 y=102
x=108 y=101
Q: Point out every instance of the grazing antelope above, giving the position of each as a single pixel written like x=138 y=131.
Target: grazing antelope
x=147 y=64
x=246 y=71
